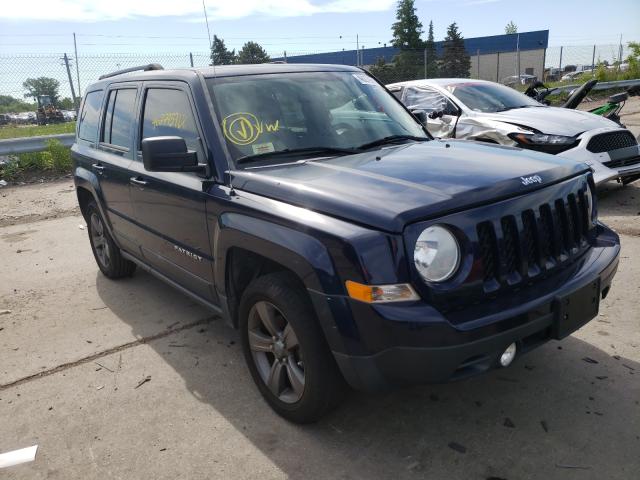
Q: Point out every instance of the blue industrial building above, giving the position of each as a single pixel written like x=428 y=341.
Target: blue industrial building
x=525 y=41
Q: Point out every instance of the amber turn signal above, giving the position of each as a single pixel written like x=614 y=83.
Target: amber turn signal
x=402 y=292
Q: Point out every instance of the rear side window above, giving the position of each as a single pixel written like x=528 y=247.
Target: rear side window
x=119 y=116
x=88 y=129
x=168 y=113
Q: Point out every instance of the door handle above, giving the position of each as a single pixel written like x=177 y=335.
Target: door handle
x=138 y=181
x=97 y=166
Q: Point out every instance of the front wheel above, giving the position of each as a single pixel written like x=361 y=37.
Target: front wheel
x=285 y=350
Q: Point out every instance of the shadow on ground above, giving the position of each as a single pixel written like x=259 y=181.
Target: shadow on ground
x=566 y=410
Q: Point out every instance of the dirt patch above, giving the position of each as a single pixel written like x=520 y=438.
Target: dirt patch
x=22 y=204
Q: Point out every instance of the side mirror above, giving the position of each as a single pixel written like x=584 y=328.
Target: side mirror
x=421 y=115
x=169 y=154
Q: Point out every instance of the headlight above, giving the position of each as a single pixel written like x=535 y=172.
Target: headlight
x=437 y=254
x=588 y=196
x=543 y=142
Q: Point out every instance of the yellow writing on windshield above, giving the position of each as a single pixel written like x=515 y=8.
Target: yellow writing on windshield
x=243 y=128
x=170 y=119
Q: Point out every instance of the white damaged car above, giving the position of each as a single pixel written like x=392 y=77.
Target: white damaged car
x=489 y=112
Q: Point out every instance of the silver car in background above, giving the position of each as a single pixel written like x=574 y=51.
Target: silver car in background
x=489 y=112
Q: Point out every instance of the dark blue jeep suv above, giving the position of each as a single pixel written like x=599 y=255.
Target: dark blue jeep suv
x=308 y=207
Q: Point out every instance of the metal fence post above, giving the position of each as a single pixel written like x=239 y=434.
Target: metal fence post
x=498 y=68
x=518 y=57
x=191 y=59
x=425 y=63
x=478 y=57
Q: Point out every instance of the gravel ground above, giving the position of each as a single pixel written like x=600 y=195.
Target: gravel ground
x=75 y=349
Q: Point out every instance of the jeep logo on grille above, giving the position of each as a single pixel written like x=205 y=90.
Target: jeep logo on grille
x=531 y=179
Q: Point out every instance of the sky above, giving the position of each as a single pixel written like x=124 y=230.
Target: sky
x=114 y=34
x=297 y=26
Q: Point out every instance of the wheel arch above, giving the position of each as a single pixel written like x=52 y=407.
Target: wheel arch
x=247 y=247
x=88 y=189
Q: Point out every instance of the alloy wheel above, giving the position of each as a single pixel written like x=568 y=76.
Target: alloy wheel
x=276 y=352
x=99 y=240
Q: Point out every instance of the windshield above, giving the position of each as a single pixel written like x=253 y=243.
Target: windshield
x=490 y=97
x=283 y=112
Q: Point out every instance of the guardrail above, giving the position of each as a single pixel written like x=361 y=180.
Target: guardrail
x=600 y=86
x=14 y=146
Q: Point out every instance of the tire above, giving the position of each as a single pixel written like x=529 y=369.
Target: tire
x=300 y=348
x=630 y=179
x=108 y=256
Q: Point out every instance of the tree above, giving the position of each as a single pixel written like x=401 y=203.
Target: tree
x=42 y=86
x=66 y=104
x=510 y=28
x=252 y=52
x=633 y=60
x=9 y=104
x=455 y=59
x=407 y=29
x=430 y=47
x=220 y=55
x=383 y=71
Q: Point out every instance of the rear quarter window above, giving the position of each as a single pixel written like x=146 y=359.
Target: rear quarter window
x=88 y=127
x=119 y=117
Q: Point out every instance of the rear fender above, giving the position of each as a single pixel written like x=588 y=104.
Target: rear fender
x=88 y=181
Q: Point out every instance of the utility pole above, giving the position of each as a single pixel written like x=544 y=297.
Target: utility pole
x=73 y=92
x=75 y=49
x=593 y=59
x=357 y=51
x=191 y=59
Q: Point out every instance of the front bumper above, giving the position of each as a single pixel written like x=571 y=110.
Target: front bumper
x=606 y=166
x=382 y=346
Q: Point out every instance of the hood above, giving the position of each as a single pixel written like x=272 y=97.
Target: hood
x=394 y=186
x=552 y=120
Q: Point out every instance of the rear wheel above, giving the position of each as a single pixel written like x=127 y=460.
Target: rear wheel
x=285 y=350
x=108 y=256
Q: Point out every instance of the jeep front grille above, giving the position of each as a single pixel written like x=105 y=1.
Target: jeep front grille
x=538 y=239
x=605 y=142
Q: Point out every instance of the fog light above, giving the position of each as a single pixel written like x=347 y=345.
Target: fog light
x=508 y=355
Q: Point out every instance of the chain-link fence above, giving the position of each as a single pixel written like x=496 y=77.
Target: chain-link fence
x=512 y=67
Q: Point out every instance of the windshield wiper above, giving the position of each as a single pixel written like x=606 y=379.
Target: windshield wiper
x=392 y=139
x=519 y=106
x=296 y=151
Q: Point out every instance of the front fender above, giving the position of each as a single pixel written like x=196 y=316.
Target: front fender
x=303 y=254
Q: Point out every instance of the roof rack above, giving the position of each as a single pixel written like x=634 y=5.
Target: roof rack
x=145 y=68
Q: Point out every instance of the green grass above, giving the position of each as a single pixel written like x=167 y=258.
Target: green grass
x=15 y=131
x=56 y=159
